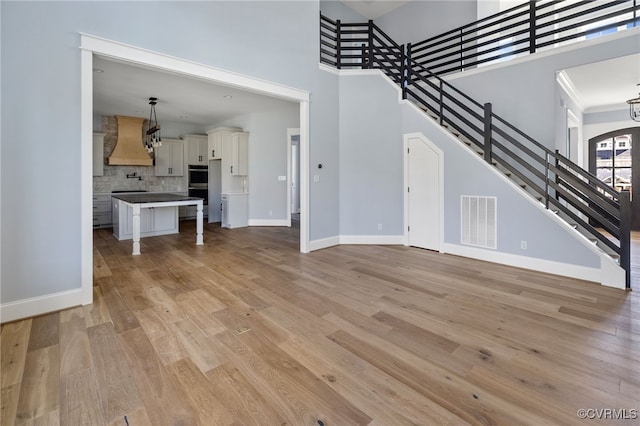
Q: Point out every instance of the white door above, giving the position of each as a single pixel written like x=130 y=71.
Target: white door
x=424 y=195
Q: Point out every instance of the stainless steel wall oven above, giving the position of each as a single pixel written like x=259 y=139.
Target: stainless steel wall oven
x=199 y=182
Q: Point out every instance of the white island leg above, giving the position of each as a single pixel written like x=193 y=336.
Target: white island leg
x=136 y=229
x=199 y=239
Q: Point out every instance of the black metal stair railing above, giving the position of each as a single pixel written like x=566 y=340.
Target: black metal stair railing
x=601 y=212
x=521 y=30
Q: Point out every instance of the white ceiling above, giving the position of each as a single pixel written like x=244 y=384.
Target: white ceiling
x=124 y=89
x=373 y=9
x=606 y=85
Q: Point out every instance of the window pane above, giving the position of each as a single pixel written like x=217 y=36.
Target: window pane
x=623 y=151
x=604 y=174
x=604 y=151
x=623 y=179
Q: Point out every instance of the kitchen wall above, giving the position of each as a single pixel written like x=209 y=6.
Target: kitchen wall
x=115 y=177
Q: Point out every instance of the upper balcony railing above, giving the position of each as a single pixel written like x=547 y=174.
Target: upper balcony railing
x=521 y=30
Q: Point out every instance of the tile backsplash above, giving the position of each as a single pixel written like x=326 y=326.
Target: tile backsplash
x=115 y=177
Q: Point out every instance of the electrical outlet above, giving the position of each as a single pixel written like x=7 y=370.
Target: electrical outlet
x=270 y=213
x=379 y=227
x=523 y=245
x=316 y=178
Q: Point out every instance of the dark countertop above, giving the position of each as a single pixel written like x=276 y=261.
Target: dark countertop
x=139 y=198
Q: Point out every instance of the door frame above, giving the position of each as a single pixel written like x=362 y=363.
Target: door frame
x=90 y=45
x=440 y=153
x=635 y=166
x=291 y=132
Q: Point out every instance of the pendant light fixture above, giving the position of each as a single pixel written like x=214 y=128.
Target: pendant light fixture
x=634 y=107
x=153 y=139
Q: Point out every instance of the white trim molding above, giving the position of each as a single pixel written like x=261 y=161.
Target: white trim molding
x=379 y=240
x=324 y=243
x=269 y=222
x=33 y=306
x=605 y=275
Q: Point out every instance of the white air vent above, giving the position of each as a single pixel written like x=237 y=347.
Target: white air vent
x=479 y=221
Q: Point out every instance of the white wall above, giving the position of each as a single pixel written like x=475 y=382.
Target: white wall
x=523 y=91
x=371 y=179
x=40 y=74
x=419 y=20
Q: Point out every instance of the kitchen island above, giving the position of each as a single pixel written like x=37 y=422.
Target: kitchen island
x=136 y=215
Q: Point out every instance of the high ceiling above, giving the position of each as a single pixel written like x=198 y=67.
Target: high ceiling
x=606 y=85
x=124 y=89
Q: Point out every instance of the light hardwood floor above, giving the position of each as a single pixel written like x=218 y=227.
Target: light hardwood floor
x=247 y=331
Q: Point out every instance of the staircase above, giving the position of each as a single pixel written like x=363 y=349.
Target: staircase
x=596 y=211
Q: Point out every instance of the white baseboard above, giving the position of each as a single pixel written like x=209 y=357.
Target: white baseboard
x=34 y=306
x=268 y=222
x=542 y=265
x=373 y=239
x=324 y=243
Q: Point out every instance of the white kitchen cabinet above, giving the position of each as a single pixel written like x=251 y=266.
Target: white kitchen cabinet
x=215 y=145
x=98 y=154
x=170 y=158
x=153 y=220
x=239 y=165
x=197 y=147
x=101 y=210
x=235 y=210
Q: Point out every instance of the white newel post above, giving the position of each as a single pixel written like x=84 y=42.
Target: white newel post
x=199 y=240
x=136 y=229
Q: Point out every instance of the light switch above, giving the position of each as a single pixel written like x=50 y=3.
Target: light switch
x=282 y=178
x=316 y=178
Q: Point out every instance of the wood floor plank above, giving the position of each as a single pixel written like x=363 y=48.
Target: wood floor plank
x=162 y=337
x=200 y=396
x=474 y=404
x=13 y=351
x=44 y=331
x=304 y=379
x=201 y=349
x=384 y=399
x=199 y=306
x=9 y=404
x=119 y=395
x=97 y=312
x=75 y=350
x=120 y=314
x=162 y=401
x=81 y=399
x=292 y=402
x=39 y=392
x=241 y=398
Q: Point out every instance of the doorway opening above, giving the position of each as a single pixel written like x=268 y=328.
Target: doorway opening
x=293 y=176
x=613 y=159
x=91 y=45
